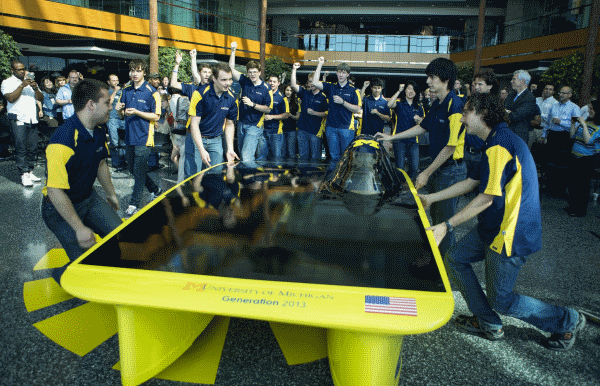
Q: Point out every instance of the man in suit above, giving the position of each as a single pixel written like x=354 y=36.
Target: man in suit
x=521 y=105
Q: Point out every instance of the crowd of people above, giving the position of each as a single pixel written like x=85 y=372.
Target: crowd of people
x=480 y=139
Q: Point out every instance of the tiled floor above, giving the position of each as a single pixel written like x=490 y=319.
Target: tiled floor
x=565 y=272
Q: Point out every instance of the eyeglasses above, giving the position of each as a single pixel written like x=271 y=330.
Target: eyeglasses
x=19 y=69
x=564 y=93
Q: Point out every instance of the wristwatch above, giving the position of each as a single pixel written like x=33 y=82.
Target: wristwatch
x=449 y=228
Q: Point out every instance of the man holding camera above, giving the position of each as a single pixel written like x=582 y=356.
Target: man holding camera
x=21 y=92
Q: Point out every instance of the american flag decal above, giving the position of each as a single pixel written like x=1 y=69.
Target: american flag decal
x=390 y=305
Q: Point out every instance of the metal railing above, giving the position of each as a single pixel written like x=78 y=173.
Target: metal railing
x=558 y=21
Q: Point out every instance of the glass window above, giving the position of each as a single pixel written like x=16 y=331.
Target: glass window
x=359 y=42
x=321 y=42
x=444 y=44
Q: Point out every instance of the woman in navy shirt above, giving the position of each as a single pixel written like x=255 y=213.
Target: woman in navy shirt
x=409 y=112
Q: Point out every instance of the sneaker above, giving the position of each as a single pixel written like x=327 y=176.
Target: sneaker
x=563 y=342
x=131 y=210
x=33 y=178
x=26 y=180
x=154 y=195
x=470 y=324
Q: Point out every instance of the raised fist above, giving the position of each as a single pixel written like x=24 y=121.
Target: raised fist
x=233 y=45
x=296 y=66
x=178 y=57
x=193 y=54
x=366 y=84
x=321 y=60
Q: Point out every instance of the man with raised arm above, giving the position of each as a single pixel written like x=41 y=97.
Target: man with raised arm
x=509 y=229
x=272 y=141
x=192 y=163
x=446 y=140
x=202 y=79
x=375 y=109
x=256 y=102
x=210 y=112
x=313 y=112
x=340 y=129
x=76 y=156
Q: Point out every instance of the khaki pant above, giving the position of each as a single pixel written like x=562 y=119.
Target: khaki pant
x=535 y=135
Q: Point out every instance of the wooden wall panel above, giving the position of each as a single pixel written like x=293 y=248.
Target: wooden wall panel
x=540 y=48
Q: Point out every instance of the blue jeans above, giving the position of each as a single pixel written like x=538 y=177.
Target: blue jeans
x=117 y=152
x=338 y=140
x=193 y=159
x=248 y=137
x=441 y=211
x=137 y=162
x=270 y=145
x=403 y=149
x=309 y=145
x=94 y=212
x=501 y=273
x=289 y=145
x=26 y=143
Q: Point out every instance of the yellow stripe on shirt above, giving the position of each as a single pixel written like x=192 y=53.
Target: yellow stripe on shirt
x=287 y=110
x=498 y=157
x=57 y=156
x=457 y=135
x=512 y=206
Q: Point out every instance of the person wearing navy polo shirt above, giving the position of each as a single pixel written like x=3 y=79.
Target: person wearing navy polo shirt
x=273 y=139
x=256 y=102
x=311 y=123
x=446 y=141
x=409 y=112
x=189 y=162
x=340 y=119
x=375 y=110
x=140 y=104
x=76 y=157
x=210 y=112
x=509 y=229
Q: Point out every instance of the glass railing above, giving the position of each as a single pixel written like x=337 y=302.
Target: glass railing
x=375 y=43
x=560 y=21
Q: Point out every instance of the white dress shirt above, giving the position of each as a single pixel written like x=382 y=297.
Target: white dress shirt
x=545 y=105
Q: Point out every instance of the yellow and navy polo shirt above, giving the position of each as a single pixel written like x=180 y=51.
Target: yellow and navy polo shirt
x=291 y=124
x=213 y=110
x=443 y=124
x=73 y=157
x=583 y=149
x=317 y=102
x=405 y=120
x=139 y=131
x=259 y=94
x=188 y=89
x=507 y=171
x=280 y=106
x=340 y=117
x=371 y=123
